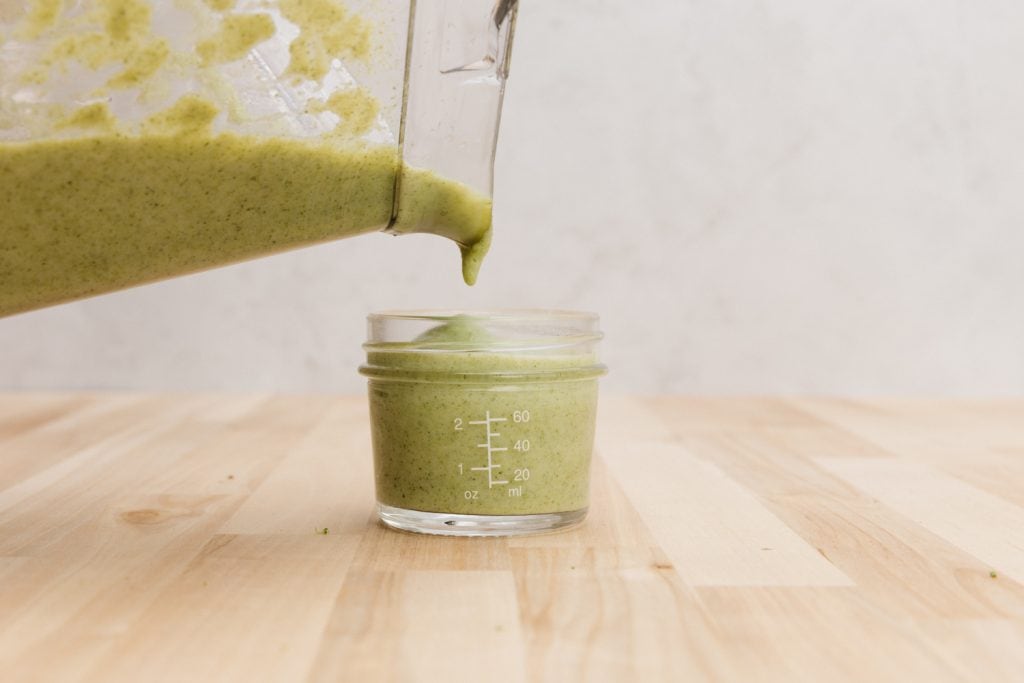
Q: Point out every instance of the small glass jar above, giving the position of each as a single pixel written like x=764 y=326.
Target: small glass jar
x=482 y=422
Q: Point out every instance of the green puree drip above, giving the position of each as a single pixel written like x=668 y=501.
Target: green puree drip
x=91 y=215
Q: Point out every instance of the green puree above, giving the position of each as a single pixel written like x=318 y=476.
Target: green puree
x=424 y=397
x=90 y=215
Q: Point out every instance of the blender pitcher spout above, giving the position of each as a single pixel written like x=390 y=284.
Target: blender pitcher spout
x=457 y=63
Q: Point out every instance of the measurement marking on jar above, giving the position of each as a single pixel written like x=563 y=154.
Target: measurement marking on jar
x=491 y=449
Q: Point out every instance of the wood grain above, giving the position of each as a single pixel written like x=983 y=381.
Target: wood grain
x=160 y=537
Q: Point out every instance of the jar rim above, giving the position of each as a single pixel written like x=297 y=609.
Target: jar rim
x=495 y=314
x=496 y=330
x=517 y=343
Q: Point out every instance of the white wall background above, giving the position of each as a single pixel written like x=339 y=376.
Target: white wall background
x=757 y=196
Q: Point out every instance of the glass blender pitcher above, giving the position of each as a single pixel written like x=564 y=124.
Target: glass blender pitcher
x=140 y=140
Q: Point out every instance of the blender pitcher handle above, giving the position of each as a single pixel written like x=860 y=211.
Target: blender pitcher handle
x=457 y=60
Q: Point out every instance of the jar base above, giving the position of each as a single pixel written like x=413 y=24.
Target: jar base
x=447 y=524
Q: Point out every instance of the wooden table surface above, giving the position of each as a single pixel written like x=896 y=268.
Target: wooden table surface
x=173 y=538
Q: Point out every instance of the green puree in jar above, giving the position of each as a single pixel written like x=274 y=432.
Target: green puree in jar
x=462 y=425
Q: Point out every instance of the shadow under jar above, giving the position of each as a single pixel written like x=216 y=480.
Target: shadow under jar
x=482 y=422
